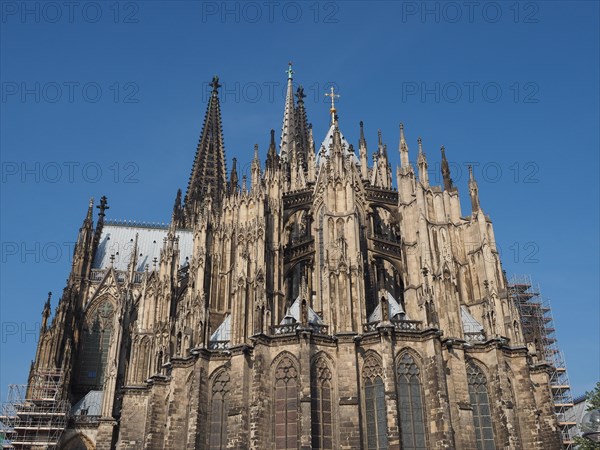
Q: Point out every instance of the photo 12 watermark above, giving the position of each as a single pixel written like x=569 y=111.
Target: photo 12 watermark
x=470 y=92
x=266 y=12
x=69 y=92
x=470 y=12
x=69 y=172
x=69 y=12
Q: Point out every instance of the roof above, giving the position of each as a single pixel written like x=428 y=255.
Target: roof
x=470 y=324
x=90 y=404
x=327 y=143
x=394 y=309
x=118 y=240
x=294 y=311
x=223 y=332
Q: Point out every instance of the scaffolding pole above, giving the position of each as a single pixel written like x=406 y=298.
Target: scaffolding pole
x=540 y=335
x=35 y=415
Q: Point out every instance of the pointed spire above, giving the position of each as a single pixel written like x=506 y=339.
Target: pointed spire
x=272 y=153
x=233 y=178
x=422 y=164
x=446 y=171
x=332 y=110
x=177 y=217
x=255 y=169
x=379 y=140
x=361 y=140
x=46 y=312
x=301 y=137
x=473 y=191
x=403 y=148
x=287 y=129
x=209 y=163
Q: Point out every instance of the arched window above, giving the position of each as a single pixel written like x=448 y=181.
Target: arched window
x=95 y=345
x=219 y=409
x=480 y=403
x=375 y=411
x=321 y=406
x=286 y=405
x=410 y=402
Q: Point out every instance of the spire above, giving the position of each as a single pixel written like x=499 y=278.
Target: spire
x=362 y=141
x=446 y=171
x=287 y=129
x=473 y=191
x=301 y=136
x=422 y=163
x=403 y=148
x=177 y=216
x=209 y=163
x=46 y=312
x=255 y=169
x=272 y=153
x=103 y=206
x=332 y=110
x=233 y=178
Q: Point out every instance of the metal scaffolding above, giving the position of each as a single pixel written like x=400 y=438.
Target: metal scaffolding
x=540 y=335
x=35 y=415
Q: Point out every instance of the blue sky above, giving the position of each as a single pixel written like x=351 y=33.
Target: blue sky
x=109 y=98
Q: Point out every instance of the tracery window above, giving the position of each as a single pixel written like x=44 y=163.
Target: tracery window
x=286 y=405
x=410 y=402
x=375 y=413
x=321 y=406
x=95 y=345
x=480 y=403
x=219 y=409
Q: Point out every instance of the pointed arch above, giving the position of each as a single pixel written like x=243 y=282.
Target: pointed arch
x=479 y=398
x=321 y=390
x=410 y=403
x=219 y=410
x=286 y=403
x=374 y=403
x=95 y=341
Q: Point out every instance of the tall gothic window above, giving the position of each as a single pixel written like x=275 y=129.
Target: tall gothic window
x=95 y=345
x=410 y=402
x=219 y=409
x=480 y=403
x=286 y=405
x=321 y=403
x=375 y=413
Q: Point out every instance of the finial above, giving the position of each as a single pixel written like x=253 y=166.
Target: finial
x=48 y=300
x=300 y=94
x=443 y=149
x=215 y=84
x=256 y=152
x=401 y=131
x=272 y=137
x=103 y=206
x=471 y=177
x=332 y=110
x=289 y=70
x=244 y=184
x=379 y=140
x=420 y=142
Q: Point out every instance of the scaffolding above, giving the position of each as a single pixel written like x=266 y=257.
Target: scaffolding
x=35 y=415
x=540 y=335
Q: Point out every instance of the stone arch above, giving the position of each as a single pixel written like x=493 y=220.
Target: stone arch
x=79 y=442
x=411 y=401
x=286 y=387
x=323 y=406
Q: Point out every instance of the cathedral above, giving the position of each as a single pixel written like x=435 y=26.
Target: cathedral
x=327 y=302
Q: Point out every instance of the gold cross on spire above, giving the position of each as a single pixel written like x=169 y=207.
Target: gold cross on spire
x=332 y=110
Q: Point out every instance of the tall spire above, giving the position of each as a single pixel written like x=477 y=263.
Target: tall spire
x=272 y=162
x=209 y=163
x=302 y=138
x=446 y=171
x=422 y=164
x=362 y=150
x=473 y=191
x=287 y=129
x=403 y=148
x=233 y=178
x=332 y=110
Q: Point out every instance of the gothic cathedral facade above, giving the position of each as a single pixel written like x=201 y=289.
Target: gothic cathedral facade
x=317 y=305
